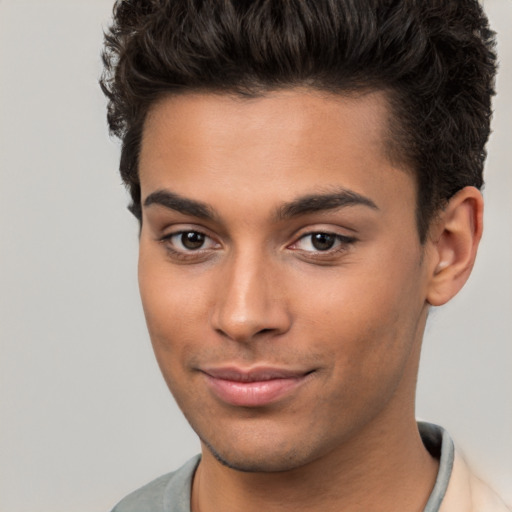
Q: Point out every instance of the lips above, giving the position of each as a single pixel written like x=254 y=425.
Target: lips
x=256 y=387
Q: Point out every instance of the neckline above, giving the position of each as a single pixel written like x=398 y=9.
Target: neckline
x=435 y=438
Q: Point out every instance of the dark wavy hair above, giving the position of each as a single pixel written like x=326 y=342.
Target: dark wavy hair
x=435 y=59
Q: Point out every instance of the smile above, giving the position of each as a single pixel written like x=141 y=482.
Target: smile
x=254 y=388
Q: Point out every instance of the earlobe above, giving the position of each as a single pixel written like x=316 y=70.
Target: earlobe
x=454 y=241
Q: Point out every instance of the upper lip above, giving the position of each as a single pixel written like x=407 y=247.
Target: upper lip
x=257 y=374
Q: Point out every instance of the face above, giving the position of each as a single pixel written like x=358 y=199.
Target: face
x=281 y=273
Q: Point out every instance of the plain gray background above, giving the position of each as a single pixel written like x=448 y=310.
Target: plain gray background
x=85 y=415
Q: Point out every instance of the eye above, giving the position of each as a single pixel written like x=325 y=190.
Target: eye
x=322 y=242
x=189 y=241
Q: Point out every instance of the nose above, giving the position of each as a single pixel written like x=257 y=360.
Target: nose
x=250 y=300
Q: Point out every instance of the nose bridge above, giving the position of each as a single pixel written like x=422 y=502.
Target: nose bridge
x=248 y=300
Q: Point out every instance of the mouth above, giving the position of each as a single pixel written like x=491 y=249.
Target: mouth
x=255 y=387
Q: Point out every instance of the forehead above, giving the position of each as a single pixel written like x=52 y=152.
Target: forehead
x=271 y=147
x=306 y=117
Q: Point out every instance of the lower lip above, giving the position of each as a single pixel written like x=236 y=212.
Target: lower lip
x=253 y=394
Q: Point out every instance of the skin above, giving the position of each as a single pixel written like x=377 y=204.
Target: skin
x=257 y=292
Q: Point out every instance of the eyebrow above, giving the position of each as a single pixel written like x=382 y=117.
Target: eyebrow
x=310 y=203
x=180 y=204
x=322 y=202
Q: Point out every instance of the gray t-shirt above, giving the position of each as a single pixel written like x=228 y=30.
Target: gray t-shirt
x=171 y=492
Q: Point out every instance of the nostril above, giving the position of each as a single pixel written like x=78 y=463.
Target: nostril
x=264 y=331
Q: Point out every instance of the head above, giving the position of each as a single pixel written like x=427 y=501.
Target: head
x=306 y=178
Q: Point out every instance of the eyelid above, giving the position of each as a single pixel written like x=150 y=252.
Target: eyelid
x=178 y=228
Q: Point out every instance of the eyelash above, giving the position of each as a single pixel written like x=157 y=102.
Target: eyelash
x=342 y=244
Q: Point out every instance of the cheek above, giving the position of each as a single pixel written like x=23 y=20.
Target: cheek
x=367 y=318
x=172 y=304
x=171 y=309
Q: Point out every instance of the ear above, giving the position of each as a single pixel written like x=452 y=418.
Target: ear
x=454 y=240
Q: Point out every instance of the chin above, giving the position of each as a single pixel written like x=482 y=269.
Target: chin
x=260 y=462
x=263 y=451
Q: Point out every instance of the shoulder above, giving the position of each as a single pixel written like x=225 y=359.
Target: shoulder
x=169 y=493
x=148 y=497
x=457 y=488
x=466 y=492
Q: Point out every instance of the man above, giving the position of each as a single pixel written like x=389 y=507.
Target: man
x=306 y=174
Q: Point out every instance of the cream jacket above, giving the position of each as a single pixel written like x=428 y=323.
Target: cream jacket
x=467 y=493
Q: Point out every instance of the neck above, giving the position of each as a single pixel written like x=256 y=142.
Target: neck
x=372 y=473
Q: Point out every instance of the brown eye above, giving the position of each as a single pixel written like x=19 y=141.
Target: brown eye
x=188 y=242
x=192 y=240
x=323 y=241
x=319 y=241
